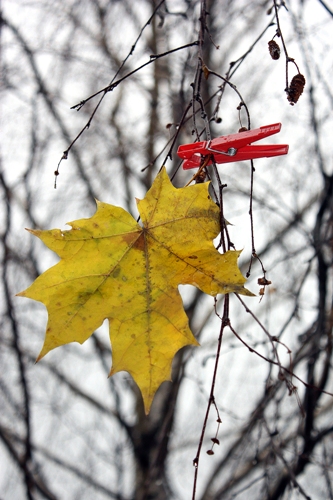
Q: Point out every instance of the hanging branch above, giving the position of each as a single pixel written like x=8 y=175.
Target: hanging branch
x=296 y=87
x=104 y=91
x=211 y=401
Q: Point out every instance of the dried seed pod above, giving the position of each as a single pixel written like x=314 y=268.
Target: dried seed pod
x=295 y=89
x=274 y=49
x=206 y=71
x=263 y=281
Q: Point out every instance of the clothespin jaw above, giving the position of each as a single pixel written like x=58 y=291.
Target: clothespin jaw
x=234 y=147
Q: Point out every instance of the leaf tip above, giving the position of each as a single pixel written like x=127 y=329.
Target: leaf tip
x=147 y=399
x=41 y=354
x=39 y=357
x=147 y=402
x=35 y=232
x=246 y=292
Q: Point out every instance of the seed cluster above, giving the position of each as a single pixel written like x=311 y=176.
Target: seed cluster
x=295 y=90
x=274 y=49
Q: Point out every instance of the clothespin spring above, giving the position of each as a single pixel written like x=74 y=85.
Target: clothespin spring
x=230 y=152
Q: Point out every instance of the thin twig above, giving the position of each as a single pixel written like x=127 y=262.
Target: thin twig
x=211 y=401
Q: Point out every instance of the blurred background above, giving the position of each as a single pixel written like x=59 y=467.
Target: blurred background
x=67 y=431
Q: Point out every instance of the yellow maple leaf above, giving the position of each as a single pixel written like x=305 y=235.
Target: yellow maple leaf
x=112 y=267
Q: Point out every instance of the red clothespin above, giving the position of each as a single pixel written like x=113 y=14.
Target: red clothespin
x=234 y=147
